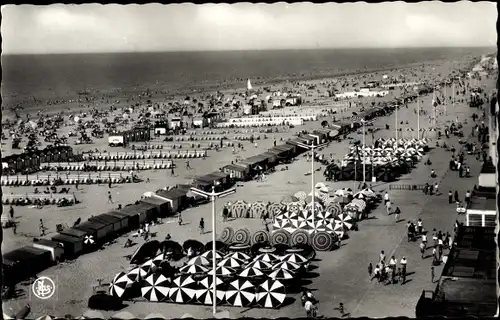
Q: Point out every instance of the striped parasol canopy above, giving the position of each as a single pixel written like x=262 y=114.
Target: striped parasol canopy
x=156 y=288
x=260 y=264
x=204 y=293
x=270 y=294
x=267 y=257
x=231 y=263
x=183 y=289
x=224 y=271
x=146 y=268
x=295 y=258
x=288 y=265
x=134 y=274
x=345 y=220
x=239 y=255
x=339 y=230
x=208 y=255
x=158 y=260
x=193 y=269
x=240 y=293
x=251 y=272
x=119 y=284
x=202 y=261
x=282 y=274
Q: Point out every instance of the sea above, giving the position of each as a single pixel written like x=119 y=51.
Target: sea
x=64 y=75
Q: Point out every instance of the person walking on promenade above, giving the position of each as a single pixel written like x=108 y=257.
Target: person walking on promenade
x=436 y=188
x=450 y=197
x=420 y=227
x=382 y=257
x=467 y=198
x=370 y=269
x=188 y=166
x=403 y=263
x=225 y=213
x=109 y=184
x=172 y=171
x=440 y=247
x=457 y=199
x=202 y=226
x=110 y=197
x=397 y=213
x=388 y=205
x=424 y=240
x=434 y=237
x=386 y=197
x=41 y=228
x=11 y=212
x=179 y=219
x=422 y=249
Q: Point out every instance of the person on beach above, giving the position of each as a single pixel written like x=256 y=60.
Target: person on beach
x=422 y=249
x=386 y=197
x=42 y=228
x=172 y=172
x=457 y=199
x=188 y=166
x=370 y=269
x=109 y=184
x=397 y=213
x=179 y=219
x=110 y=197
x=382 y=257
x=388 y=207
x=11 y=212
x=450 y=197
x=436 y=188
x=420 y=227
x=434 y=237
x=468 y=197
x=202 y=226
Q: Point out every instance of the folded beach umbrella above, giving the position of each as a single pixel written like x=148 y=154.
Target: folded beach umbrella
x=251 y=272
x=267 y=257
x=204 y=293
x=240 y=256
x=231 y=263
x=208 y=255
x=193 y=269
x=260 y=264
x=202 y=261
x=119 y=284
x=270 y=294
x=287 y=265
x=183 y=289
x=240 y=293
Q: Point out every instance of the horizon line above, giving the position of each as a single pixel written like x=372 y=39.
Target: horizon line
x=246 y=50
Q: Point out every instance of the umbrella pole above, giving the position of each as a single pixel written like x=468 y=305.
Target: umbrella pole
x=214 y=298
x=364 y=159
x=312 y=186
x=418 y=116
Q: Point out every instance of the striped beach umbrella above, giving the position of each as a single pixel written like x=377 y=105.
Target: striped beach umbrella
x=183 y=289
x=208 y=255
x=260 y=264
x=134 y=274
x=288 y=265
x=251 y=272
x=267 y=257
x=202 y=261
x=156 y=288
x=193 y=269
x=270 y=294
x=204 y=293
x=294 y=258
x=240 y=293
x=282 y=274
x=239 y=255
x=119 y=284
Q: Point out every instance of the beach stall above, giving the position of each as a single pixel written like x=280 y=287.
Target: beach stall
x=237 y=172
x=107 y=219
x=123 y=219
x=177 y=198
x=55 y=248
x=72 y=246
x=162 y=206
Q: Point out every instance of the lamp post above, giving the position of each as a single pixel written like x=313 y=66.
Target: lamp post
x=213 y=195
x=311 y=147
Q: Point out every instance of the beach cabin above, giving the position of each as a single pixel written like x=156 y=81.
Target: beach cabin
x=134 y=221
x=150 y=210
x=56 y=249
x=271 y=158
x=162 y=206
x=41 y=259
x=21 y=264
x=219 y=180
x=99 y=231
x=323 y=135
x=237 y=172
x=107 y=219
x=72 y=246
x=139 y=134
x=118 y=139
x=282 y=152
x=123 y=219
x=200 y=122
x=255 y=164
x=177 y=199
x=160 y=127
x=176 y=123
x=137 y=211
x=75 y=233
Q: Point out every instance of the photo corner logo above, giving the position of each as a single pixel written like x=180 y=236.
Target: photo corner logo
x=43 y=288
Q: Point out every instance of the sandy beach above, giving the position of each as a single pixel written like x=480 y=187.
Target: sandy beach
x=75 y=279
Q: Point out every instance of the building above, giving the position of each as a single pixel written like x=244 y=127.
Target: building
x=467 y=286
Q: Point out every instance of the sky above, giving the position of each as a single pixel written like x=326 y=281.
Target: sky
x=29 y=29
